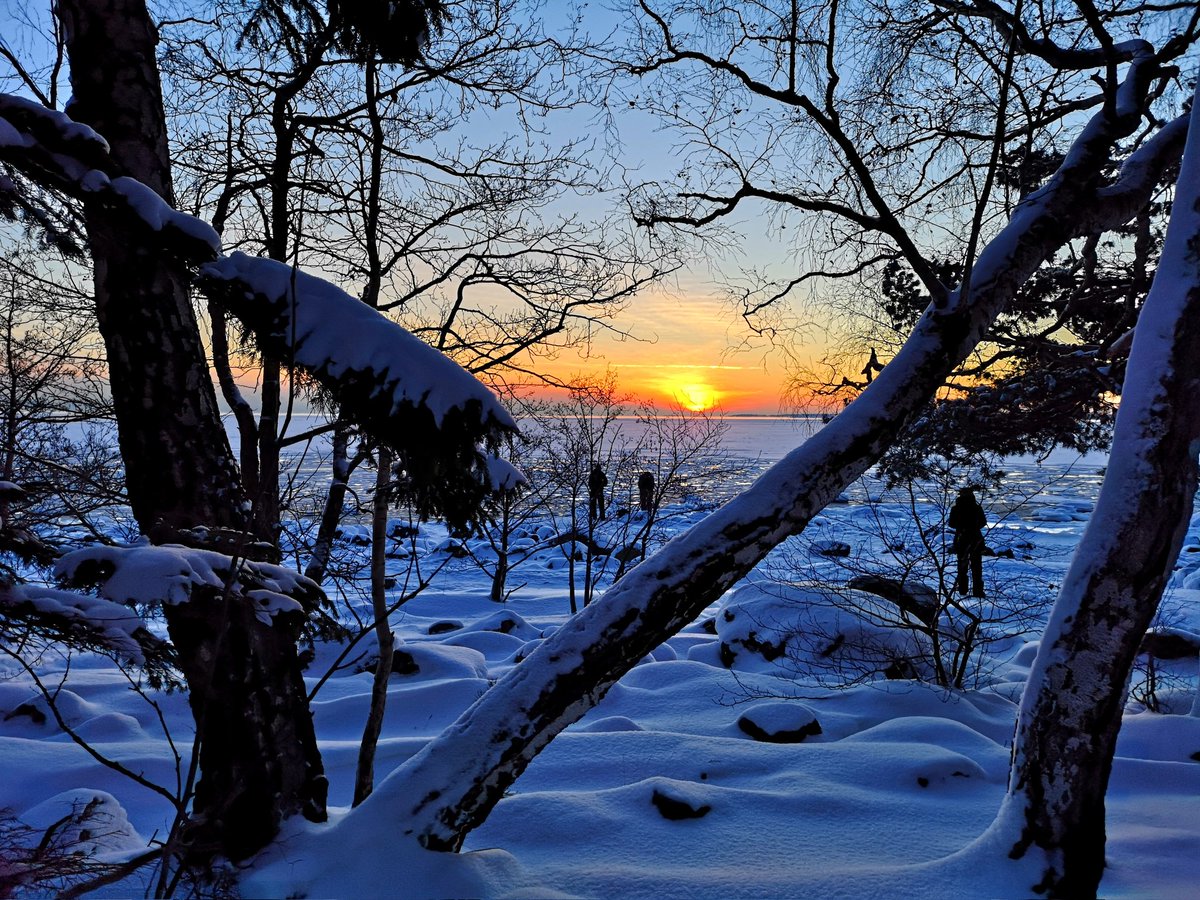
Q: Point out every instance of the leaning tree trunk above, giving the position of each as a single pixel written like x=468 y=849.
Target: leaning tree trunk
x=335 y=500
x=1071 y=710
x=258 y=755
x=452 y=784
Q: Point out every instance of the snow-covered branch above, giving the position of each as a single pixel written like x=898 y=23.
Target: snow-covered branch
x=81 y=619
x=433 y=413
x=60 y=154
x=145 y=574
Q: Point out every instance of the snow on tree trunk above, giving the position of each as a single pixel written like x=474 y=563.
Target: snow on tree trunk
x=450 y=786
x=258 y=755
x=1071 y=709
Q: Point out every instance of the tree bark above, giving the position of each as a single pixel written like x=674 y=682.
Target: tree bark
x=1071 y=710
x=165 y=404
x=453 y=783
x=335 y=500
x=258 y=754
x=364 y=776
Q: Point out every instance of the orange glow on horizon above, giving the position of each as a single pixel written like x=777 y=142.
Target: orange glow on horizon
x=695 y=396
x=681 y=358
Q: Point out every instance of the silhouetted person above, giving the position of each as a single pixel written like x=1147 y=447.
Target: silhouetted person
x=646 y=491
x=967 y=519
x=597 y=481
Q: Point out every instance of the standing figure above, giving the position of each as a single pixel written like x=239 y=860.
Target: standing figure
x=646 y=491
x=967 y=519
x=597 y=481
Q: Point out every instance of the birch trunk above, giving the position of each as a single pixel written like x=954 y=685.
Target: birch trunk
x=1071 y=710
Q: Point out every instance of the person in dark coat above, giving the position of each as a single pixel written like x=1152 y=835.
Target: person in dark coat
x=968 y=520
x=646 y=491
x=597 y=482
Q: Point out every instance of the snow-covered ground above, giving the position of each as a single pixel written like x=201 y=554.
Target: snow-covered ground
x=729 y=763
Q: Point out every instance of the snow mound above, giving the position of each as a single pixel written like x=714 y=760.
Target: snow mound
x=437 y=660
x=779 y=722
x=89 y=822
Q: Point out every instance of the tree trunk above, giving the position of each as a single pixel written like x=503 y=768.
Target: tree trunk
x=335 y=501
x=259 y=761
x=180 y=470
x=1071 y=710
x=364 y=776
x=451 y=785
x=258 y=754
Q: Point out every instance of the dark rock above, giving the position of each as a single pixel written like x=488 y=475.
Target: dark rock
x=728 y=657
x=832 y=647
x=353 y=537
x=766 y=649
x=675 y=809
x=579 y=537
x=444 y=627
x=785 y=736
x=629 y=553
x=28 y=709
x=900 y=670
x=452 y=548
x=504 y=626
x=403 y=663
x=709 y=626
x=913 y=597
x=829 y=548
x=1170 y=644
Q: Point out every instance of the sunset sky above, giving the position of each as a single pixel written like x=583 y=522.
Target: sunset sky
x=685 y=356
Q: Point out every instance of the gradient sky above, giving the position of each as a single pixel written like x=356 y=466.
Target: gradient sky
x=686 y=355
x=685 y=333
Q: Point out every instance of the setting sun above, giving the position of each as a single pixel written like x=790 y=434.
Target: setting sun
x=696 y=397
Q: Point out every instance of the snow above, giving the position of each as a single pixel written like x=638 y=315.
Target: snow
x=890 y=798
x=504 y=476
x=158 y=214
x=67 y=128
x=114 y=624
x=332 y=327
x=11 y=137
x=147 y=575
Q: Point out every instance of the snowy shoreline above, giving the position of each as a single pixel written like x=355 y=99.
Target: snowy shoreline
x=896 y=775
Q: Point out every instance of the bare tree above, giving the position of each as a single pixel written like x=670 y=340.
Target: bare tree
x=57 y=439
